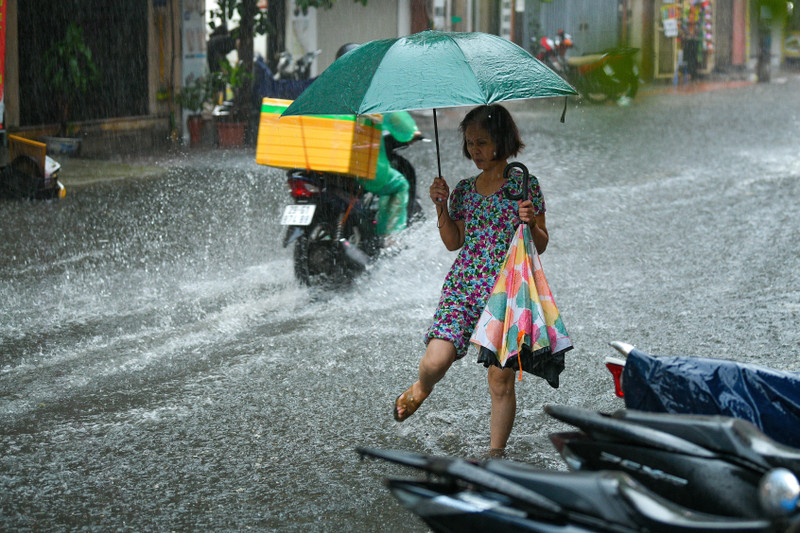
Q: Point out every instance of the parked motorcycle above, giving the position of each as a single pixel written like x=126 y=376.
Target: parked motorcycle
x=333 y=220
x=765 y=397
x=611 y=74
x=31 y=174
x=504 y=496
x=267 y=84
x=710 y=464
x=290 y=69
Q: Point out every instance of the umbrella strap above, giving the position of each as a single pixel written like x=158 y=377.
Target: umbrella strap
x=564 y=112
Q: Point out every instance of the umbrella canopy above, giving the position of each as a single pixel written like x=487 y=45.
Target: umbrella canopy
x=430 y=69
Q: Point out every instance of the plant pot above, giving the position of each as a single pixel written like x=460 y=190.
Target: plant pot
x=69 y=146
x=230 y=133
x=195 y=125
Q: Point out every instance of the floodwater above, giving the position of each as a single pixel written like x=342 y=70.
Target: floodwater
x=160 y=369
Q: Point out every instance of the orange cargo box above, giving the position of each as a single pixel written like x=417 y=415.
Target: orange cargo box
x=344 y=144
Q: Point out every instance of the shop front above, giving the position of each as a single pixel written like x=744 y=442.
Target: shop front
x=684 y=41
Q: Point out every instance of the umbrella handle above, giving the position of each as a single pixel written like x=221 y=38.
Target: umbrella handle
x=436 y=134
x=525 y=181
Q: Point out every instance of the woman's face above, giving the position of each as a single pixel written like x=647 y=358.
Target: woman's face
x=480 y=146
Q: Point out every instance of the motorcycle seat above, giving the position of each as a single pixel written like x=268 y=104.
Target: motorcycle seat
x=584 y=60
x=730 y=436
x=579 y=491
x=595 y=493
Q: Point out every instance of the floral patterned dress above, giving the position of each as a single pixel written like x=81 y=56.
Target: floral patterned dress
x=489 y=226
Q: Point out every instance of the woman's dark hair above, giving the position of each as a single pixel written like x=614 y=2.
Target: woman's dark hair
x=496 y=120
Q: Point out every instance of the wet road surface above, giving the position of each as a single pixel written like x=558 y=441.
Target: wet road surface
x=160 y=369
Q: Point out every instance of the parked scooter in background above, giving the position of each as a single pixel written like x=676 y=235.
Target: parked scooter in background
x=267 y=84
x=609 y=75
x=333 y=220
x=289 y=69
x=31 y=174
x=287 y=83
x=504 y=496
x=765 y=397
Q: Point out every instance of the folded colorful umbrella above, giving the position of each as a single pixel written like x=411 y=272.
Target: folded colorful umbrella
x=521 y=321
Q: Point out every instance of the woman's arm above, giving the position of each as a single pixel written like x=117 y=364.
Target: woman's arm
x=451 y=231
x=537 y=224
x=539 y=233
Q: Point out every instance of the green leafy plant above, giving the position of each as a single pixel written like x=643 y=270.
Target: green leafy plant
x=255 y=21
x=71 y=71
x=236 y=77
x=194 y=96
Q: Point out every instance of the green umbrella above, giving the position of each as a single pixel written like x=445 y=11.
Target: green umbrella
x=430 y=69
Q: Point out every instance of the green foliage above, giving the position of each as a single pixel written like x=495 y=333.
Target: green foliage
x=243 y=8
x=320 y=4
x=236 y=76
x=227 y=8
x=70 y=70
x=233 y=75
x=193 y=97
x=252 y=21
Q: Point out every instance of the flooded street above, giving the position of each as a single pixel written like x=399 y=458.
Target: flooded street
x=161 y=369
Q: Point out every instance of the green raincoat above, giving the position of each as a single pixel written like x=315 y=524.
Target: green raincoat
x=389 y=184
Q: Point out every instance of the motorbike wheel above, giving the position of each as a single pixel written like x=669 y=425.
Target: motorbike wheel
x=633 y=87
x=603 y=90
x=317 y=254
x=597 y=92
x=22 y=179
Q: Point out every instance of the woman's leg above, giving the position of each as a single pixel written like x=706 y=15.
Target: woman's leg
x=438 y=358
x=504 y=405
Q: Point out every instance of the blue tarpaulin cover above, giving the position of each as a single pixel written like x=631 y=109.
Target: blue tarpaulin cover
x=768 y=398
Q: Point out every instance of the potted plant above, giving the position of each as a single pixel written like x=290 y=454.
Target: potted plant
x=231 y=124
x=70 y=71
x=193 y=98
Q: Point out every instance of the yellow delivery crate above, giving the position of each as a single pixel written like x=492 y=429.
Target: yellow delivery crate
x=344 y=144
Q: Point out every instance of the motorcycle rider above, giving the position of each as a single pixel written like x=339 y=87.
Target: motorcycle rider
x=389 y=184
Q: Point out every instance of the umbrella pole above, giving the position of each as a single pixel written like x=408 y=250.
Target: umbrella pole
x=436 y=134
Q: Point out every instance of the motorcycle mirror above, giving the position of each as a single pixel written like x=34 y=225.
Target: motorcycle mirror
x=779 y=492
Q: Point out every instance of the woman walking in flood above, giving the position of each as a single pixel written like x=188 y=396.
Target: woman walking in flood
x=480 y=222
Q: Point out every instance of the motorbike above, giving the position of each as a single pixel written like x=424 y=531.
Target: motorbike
x=333 y=220
x=710 y=464
x=31 y=174
x=287 y=84
x=766 y=397
x=505 y=496
x=267 y=84
x=609 y=75
x=290 y=69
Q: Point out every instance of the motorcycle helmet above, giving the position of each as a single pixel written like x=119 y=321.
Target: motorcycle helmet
x=346 y=48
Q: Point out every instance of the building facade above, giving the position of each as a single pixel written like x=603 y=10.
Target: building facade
x=148 y=49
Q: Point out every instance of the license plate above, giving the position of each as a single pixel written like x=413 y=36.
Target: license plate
x=298 y=214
